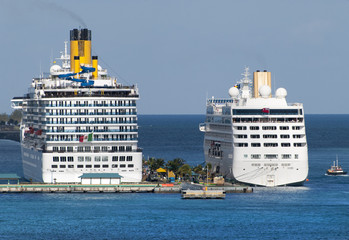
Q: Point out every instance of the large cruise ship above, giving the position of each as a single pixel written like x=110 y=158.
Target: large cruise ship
x=254 y=137
x=79 y=120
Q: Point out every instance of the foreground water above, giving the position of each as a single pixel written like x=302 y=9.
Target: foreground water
x=318 y=210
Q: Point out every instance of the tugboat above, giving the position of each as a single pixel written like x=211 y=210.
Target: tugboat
x=336 y=169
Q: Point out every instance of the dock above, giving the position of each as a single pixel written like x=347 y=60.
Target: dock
x=203 y=194
x=117 y=188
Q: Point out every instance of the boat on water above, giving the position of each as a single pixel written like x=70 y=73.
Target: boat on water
x=254 y=137
x=78 y=120
x=336 y=169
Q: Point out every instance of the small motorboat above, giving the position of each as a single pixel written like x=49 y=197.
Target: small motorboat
x=336 y=169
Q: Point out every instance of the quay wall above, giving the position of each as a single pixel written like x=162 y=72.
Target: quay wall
x=122 y=188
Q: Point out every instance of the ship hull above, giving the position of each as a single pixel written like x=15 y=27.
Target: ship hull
x=37 y=167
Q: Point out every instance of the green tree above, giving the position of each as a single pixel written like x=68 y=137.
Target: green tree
x=155 y=163
x=4 y=117
x=184 y=171
x=175 y=164
x=199 y=170
x=16 y=115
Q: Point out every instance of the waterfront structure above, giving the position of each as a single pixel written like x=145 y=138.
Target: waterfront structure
x=254 y=137
x=79 y=120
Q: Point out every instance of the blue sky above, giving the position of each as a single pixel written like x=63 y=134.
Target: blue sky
x=180 y=52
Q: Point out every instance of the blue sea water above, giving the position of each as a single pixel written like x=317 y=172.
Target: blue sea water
x=317 y=210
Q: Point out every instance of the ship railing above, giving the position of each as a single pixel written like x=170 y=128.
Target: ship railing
x=98 y=140
x=92 y=122
x=88 y=114
x=89 y=105
x=89 y=131
x=268 y=120
x=94 y=151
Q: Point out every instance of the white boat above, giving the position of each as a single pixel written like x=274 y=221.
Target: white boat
x=254 y=137
x=79 y=120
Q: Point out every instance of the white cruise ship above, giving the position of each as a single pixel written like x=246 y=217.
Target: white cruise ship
x=79 y=120
x=254 y=137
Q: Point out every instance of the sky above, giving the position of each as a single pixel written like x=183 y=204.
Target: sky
x=181 y=52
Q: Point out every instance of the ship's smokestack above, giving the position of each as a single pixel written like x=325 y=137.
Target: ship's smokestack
x=260 y=79
x=95 y=66
x=80 y=45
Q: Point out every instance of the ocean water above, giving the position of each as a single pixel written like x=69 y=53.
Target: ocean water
x=317 y=210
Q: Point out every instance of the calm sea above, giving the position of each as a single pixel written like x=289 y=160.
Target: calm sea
x=318 y=210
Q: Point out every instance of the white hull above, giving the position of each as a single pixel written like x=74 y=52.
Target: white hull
x=35 y=169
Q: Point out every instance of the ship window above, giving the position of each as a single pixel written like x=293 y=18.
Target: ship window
x=114 y=148
x=80 y=149
x=56 y=159
x=55 y=149
x=115 y=158
x=241 y=128
x=70 y=166
x=88 y=166
x=80 y=166
x=297 y=136
x=255 y=144
x=122 y=158
x=129 y=158
x=254 y=127
x=105 y=166
x=296 y=127
x=97 y=149
x=255 y=136
x=269 y=128
x=284 y=136
x=53 y=166
x=285 y=144
x=70 y=159
x=122 y=165
x=299 y=144
x=96 y=166
x=62 y=149
x=97 y=158
x=105 y=158
x=63 y=159
x=88 y=149
x=122 y=148
x=270 y=144
x=269 y=136
x=114 y=166
x=296 y=156
x=286 y=156
x=241 y=136
x=88 y=159
x=61 y=166
x=241 y=144
x=104 y=149
x=128 y=149
x=270 y=156
x=284 y=127
x=70 y=149
x=255 y=156
x=130 y=165
x=80 y=159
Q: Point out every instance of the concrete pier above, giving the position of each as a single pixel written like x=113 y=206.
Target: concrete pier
x=203 y=194
x=120 y=188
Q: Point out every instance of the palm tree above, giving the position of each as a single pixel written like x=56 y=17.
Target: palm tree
x=184 y=171
x=175 y=164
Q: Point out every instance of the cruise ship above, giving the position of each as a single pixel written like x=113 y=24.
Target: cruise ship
x=254 y=137
x=77 y=119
